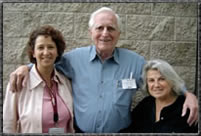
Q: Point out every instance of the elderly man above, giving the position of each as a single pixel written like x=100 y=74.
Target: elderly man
x=104 y=78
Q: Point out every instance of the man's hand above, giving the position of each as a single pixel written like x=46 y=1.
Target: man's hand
x=18 y=78
x=191 y=103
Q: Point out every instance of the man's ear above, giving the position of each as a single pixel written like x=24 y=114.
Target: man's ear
x=89 y=31
x=119 y=33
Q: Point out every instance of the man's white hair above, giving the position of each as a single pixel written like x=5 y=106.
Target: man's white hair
x=103 y=9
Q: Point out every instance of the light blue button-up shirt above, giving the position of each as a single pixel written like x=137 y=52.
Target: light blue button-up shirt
x=100 y=105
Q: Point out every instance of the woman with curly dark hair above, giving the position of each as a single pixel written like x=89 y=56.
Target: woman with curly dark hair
x=45 y=104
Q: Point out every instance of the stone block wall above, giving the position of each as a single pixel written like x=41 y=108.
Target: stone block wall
x=155 y=30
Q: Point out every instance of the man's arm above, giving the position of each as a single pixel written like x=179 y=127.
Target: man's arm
x=64 y=66
x=191 y=103
x=18 y=78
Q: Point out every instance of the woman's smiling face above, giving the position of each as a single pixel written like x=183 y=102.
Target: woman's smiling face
x=45 y=51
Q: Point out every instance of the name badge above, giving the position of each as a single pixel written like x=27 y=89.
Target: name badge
x=56 y=130
x=128 y=84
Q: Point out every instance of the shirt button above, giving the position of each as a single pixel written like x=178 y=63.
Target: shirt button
x=162 y=118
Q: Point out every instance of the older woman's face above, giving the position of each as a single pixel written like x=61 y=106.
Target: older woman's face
x=45 y=51
x=158 y=86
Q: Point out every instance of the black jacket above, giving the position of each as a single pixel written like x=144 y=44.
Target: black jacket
x=143 y=118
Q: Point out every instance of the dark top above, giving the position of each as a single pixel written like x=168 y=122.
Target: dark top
x=143 y=117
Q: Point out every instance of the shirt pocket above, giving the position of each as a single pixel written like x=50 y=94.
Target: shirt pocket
x=122 y=97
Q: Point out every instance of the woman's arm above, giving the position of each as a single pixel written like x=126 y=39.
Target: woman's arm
x=10 y=112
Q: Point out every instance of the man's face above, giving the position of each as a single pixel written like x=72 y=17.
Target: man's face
x=105 y=32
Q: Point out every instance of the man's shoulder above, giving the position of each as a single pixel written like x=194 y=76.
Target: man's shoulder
x=77 y=51
x=128 y=52
x=80 y=49
x=130 y=56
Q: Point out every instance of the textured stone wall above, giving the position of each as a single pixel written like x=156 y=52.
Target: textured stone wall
x=154 y=30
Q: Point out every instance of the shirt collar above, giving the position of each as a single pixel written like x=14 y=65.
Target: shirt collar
x=93 y=54
x=36 y=80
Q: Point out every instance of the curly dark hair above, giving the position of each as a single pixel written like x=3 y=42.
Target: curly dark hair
x=46 y=30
